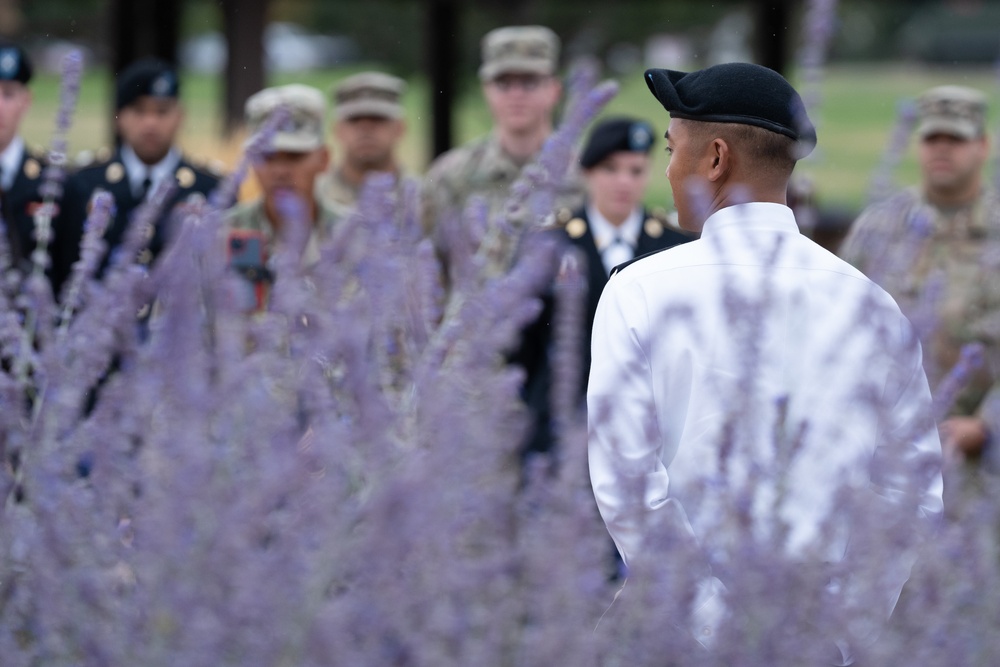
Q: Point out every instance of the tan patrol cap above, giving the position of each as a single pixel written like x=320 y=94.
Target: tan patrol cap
x=531 y=49
x=369 y=94
x=953 y=110
x=303 y=131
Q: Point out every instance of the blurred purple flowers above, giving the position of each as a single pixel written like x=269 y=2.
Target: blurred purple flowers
x=336 y=481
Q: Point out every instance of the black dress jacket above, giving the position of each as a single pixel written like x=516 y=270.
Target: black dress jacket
x=19 y=203
x=535 y=351
x=112 y=176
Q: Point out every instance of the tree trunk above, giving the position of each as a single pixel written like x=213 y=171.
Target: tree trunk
x=772 y=21
x=244 y=22
x=141 y=28
x=441 y=32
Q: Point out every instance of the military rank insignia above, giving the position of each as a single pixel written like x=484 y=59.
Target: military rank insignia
x=185 y=177
x=32 y=168
x=653 y=228
x=114 y=173
x=576 y=228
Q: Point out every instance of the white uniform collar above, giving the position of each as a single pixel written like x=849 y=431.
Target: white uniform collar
x=762 y=216
x=137 y=170
x=604 y=232
x=10 y=162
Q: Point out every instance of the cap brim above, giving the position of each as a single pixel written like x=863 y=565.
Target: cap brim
x=368 y=108
x=951 y=126
x=490 y=71
x=292 y=143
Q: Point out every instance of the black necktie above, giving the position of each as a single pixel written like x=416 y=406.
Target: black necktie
x=144 y=189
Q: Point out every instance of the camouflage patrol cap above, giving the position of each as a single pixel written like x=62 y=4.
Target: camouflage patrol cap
x=303 y=131
x=952 y=110
x=369 y=94
x=532 y=49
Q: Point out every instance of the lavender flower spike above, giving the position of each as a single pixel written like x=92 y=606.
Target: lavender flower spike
x=92 y=248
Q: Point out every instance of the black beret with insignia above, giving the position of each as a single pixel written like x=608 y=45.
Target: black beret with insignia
x=616 y=134
x=735 y=93
x=14 y=63
x=149 y=76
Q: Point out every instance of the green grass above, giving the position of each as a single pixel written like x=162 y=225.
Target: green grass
x=854 y=120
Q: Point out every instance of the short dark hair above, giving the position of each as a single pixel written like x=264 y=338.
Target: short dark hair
x=772 y=153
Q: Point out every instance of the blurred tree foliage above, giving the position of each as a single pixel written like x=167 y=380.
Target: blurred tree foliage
x=390 y=31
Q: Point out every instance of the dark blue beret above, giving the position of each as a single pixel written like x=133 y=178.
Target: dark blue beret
x=14 y=63
x=616 y=134
x=149 y=76
x=735 y=93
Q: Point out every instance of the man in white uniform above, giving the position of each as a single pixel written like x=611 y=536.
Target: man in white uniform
x=750 y=361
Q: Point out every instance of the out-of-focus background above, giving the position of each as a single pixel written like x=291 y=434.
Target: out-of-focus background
x=882 y=53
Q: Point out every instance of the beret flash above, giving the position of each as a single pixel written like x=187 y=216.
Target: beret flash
x=616 y=134
x=735 y=93
x=149 y=76
x=14 y=63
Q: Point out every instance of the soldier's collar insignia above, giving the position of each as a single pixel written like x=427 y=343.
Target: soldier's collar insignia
x=185 y=177
x=32 y=169
x=114 y=173
x=576 y=228
x=653 y=228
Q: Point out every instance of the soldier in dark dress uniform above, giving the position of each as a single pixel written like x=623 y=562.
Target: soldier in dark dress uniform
x=20 y=168
x=149 y=116
x=611 y=227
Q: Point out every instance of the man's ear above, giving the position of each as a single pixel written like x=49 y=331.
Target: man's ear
x=720 y=159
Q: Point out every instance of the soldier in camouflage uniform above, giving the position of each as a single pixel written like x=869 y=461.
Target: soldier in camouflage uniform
x=369 y=126
x=522 y=91
x=934 y=249
x=296 y=157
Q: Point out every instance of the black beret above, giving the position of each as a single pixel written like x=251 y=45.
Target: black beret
x=616 y=134
x=735 y=93
x=14 y=63
x=149 y=76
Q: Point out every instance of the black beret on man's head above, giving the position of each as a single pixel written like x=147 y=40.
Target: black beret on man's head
x=616 y=134
x=735 y=93
x=149 y=76
x=14 y=63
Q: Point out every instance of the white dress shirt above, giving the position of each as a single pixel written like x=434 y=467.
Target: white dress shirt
x=706 y=345
x=138 y=170
x=616 y=243
x=10 y=162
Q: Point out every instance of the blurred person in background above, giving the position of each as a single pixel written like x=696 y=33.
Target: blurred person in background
x=290 y=166
x=20 y=167
x=935 y=244
x=612 y=227
x=368 y=128
x=149 y=118
x=519 y=83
